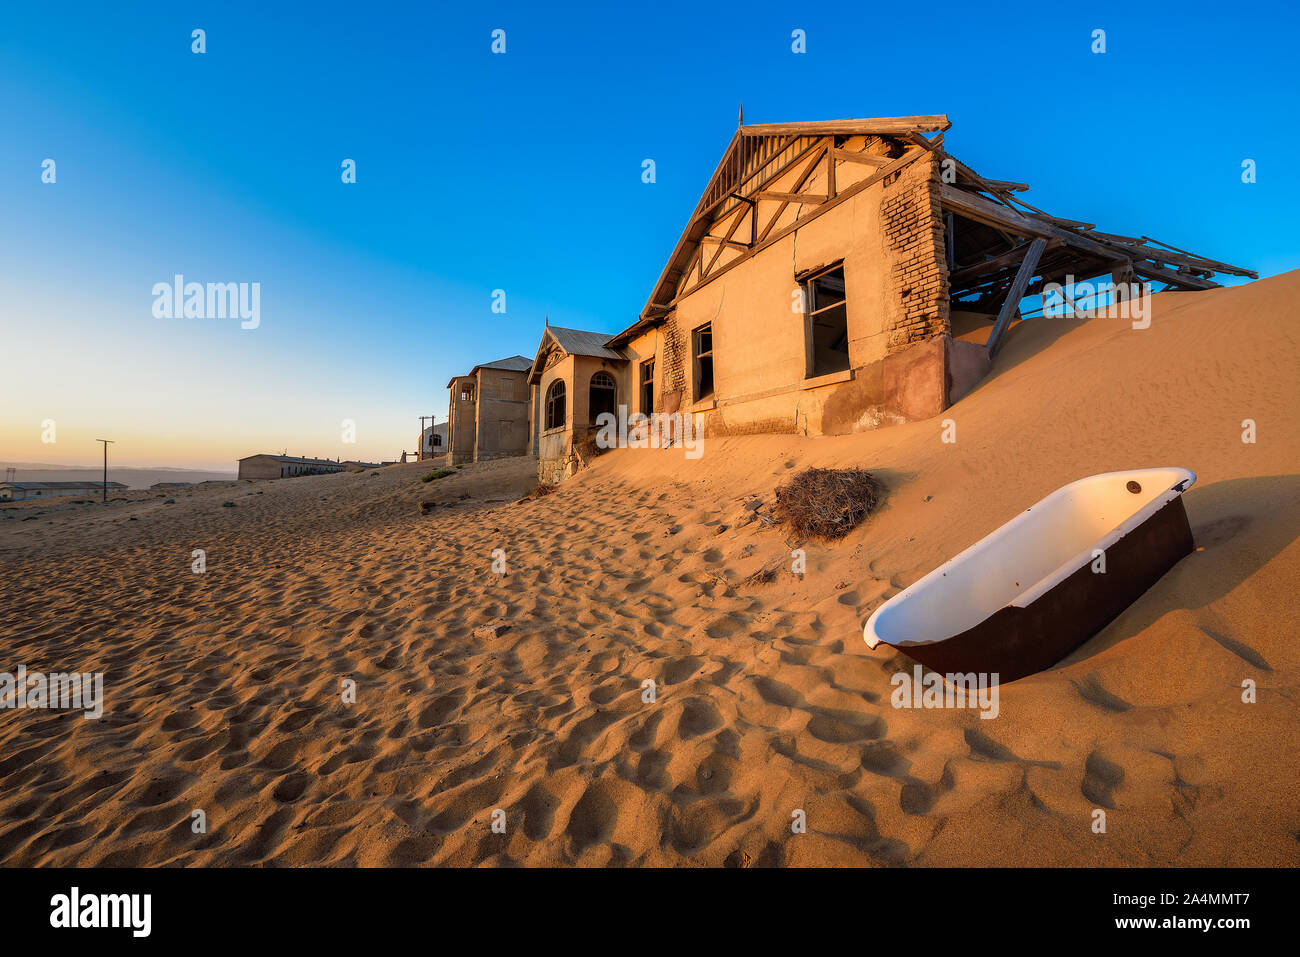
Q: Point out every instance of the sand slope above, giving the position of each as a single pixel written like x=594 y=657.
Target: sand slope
x=224 y=688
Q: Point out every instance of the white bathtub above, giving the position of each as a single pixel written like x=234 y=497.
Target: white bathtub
x=1023 y=597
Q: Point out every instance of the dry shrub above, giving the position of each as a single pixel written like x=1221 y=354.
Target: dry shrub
x=765 y=576
x=543 y=488
x=828 y=503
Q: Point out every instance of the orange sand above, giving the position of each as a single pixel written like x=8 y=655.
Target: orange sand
x=223 y=689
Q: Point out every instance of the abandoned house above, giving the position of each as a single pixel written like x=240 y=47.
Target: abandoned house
x=839 y=274
x=21 y=491
x=487 y=415
x=574 y=378
x=834 y=276
x=268 y=466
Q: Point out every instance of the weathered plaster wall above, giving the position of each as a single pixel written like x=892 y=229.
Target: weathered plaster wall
x=461 y=418
x=502 y=427
x=554 y=445
x=648 y=345
x=890 y=239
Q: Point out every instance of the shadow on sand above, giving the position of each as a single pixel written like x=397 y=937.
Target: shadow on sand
x=1238 y=526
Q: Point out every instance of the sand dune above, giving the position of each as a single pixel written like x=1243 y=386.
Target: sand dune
x=522 y=692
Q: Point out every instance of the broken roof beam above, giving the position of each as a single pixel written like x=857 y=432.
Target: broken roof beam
x=1138 y=248
x=976 y=207
x=977 y=181
x=1007 y=187
x=1218 y=266
x=989 y=267
x=1067 y=223
x=1149 y=270
x=1016 y=293
x=1127 y=245
x=879 y=126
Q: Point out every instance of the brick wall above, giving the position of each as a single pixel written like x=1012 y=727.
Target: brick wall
x=670 y=367
x=911 y=220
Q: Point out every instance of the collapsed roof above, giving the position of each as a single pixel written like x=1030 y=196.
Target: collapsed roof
x=993 y=252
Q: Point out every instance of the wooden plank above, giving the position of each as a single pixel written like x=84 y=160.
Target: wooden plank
x=974 y=177
x=1007 y=187
x=1218 y=267
x=791 y=197
x=725 y=242
x=1152 y=271
x=798 y=185
x=880 y=126
x=924 y=142
x=673 y=259
x=1015 y=294
x=708 y=211
x=769 y=237
x=869 y=159
x=1068 y=223
x=726 y=239
x=994 y=265
x=976 y=207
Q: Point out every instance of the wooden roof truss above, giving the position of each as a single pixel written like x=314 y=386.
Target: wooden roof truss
x=774 y=178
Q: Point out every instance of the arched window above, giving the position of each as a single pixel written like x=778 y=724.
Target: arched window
x=603 y=396
x=556 y=412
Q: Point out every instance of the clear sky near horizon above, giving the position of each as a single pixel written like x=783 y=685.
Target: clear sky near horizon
x=522 y=172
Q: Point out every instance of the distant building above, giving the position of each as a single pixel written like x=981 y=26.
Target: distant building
x=576 y=377
x=433 y=441
x=487 y=416
x=285 y=466
x=163 y=486
x=22 y=491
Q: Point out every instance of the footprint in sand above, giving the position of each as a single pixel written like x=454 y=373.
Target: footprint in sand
x=1100 y=779
x=1090 y=689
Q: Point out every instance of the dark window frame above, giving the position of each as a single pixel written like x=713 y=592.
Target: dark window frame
x=556 y=409
x=812 y=309
x=703 y=384
x=647 y=386
x=593 y=388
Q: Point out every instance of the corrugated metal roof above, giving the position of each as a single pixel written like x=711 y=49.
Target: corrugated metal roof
x=577 y=342
x=512 y=364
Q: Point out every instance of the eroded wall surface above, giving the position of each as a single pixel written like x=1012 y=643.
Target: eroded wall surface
x=461 y=419
x=501 y=415
x=889 y=237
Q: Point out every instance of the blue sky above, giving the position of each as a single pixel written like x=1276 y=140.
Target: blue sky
x=522 y=172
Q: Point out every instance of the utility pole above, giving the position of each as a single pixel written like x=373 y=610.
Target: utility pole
x=420 y=454
x=107 y=443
